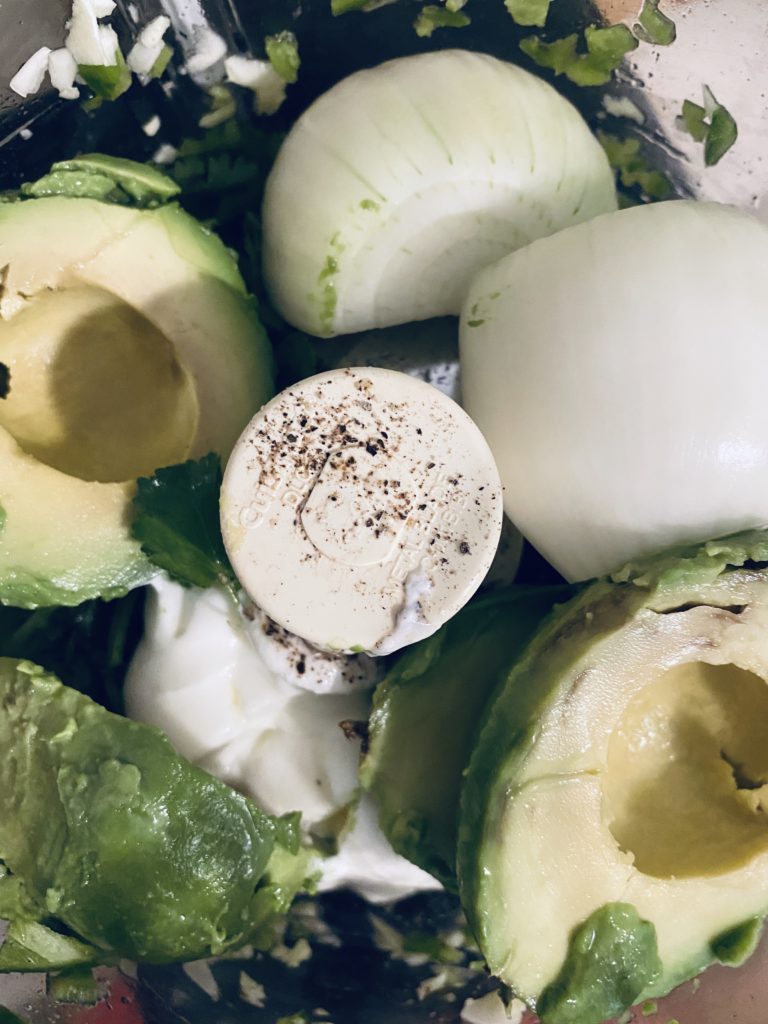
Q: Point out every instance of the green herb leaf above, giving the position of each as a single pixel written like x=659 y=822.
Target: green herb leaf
x=177 y=523
x=222 y=107
x=693 y=120
x=432 y=17
x=654 y=26
x=283 y=53
x=711 y=124
x=107 y=81
x=721 y=135
x=606 y=48
x=342 y=6
x=5 y=381
x=626 y=157
x=557 y=56
x=528 y=12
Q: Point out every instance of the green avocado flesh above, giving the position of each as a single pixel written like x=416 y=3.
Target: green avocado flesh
x=131 y=344
x=426 y=716
x=104 y=828
x=624 y=764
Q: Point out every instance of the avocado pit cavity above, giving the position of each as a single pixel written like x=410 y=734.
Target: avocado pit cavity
x=686 y=782
x=98 y=392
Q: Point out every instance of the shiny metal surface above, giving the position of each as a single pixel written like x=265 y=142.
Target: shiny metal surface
x=720 y=43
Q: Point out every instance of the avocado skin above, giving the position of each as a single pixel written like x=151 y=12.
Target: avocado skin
x=737 y=944
x=426 y=716
x=136 y=850
x=612 y=958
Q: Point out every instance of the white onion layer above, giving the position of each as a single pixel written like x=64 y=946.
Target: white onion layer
x=618 y=371
x=398 y=184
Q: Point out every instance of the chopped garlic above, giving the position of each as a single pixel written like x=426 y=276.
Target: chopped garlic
x=29 y=78
x=109 y=44
x=208 y=49
x=261 y=78
x=153 y=32
x=148 y=46
x=165 y=154
x=489 y=1009
x=152 y=126
x=62 y=68
x=199 y=971
x=87 y=41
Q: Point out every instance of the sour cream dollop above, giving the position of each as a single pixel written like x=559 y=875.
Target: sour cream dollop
x=262 y=710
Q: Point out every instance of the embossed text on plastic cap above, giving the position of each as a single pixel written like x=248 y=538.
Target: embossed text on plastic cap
x=361 y=509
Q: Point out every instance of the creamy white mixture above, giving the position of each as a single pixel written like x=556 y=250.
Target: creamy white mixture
x=261 y=710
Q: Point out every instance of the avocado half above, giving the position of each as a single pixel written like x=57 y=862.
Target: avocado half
x=131 y=343
x=614 y=824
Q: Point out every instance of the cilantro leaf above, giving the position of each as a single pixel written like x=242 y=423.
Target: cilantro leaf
x=528 y=12
x=177 y=523
x=693 y=120
x=721 y=135
x=605 y=50
x=654 y=26
x=342 y=6
x=557 y=56
x=718 y=133
x=634 y=170
x=432 y=17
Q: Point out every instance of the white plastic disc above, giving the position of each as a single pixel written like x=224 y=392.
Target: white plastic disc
x=361 y=509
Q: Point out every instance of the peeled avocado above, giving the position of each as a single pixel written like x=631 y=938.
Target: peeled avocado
x=427 y=712
x=106 y=829
x=131 y=343
x=614 y=823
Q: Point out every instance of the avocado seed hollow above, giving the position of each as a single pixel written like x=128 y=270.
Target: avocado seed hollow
x=96 y=389
x=685 y=789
